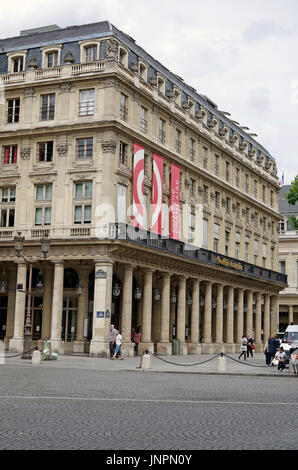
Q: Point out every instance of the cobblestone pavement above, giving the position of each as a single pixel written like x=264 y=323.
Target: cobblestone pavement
x=88 y=403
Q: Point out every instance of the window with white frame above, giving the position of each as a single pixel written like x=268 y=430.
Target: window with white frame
x=47 y=110
x=282 y=266
x=162 y=131
x=10 y=154
x=123 y=151
x=227 y=242
x=191 y=107
x=13 y=110
x=43 y=204
x=143 y=71
x=91 y=53
x=205 y=157
x=52 y=59
x=177 y=97
x=86 y=104
x=18 y=64
x=192 y=144
x=205 y=233
x=123 y=56
x=7 y=207
x=237 y=245
x=178 y=141
x=121 y=204
x=264 y=255
x=247 y=245
x=144 y=121
x=123 y=107
x=161 y=84
x=84 y=147
x=83 y=202
x=256 y=251
x=45 y=151
x=216 y=234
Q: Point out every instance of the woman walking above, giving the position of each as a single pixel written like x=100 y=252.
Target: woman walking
x=138 y=339
x=243 y=347
x=118 y=350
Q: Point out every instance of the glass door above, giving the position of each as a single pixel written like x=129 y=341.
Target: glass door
x=69 y=319
x=3 y=316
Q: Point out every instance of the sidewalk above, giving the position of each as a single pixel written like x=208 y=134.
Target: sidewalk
x=251 y=367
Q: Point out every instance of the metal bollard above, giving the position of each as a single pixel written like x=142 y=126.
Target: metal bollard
x=36 y=357
x=221 y=363
x=145 y=360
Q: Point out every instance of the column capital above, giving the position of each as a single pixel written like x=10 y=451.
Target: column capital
x=57 y=262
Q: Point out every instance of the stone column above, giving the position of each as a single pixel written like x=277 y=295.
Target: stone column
x=219 y=318
x=16 y=344
x=274 y=315
x=172 y=314
x=47 y=301
x=147 y=314
x=127 y=310
x=165 y=347
x=181 y=314
x=57 y=303
x=258 y=321
x=100 y=346
x=291 y=314
x=206 y=345
x=12 y=282
x=266 y=317
x=240 y=320
x=194 y=347
x=249 y=317
x=230 y=347
x=78 y=345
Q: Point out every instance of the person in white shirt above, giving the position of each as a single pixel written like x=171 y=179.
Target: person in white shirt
x=243 y=347
x=118 y=350
x=281 y=357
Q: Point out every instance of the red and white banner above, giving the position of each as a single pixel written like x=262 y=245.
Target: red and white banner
x=175 y=202
x=157 y=194
x=138 y=186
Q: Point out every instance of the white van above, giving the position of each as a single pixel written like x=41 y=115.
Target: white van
x=290 y=339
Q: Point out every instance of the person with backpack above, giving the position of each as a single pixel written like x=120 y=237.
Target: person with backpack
x=250 y=347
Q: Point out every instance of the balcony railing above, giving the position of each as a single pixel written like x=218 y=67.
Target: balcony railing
x=146 y=238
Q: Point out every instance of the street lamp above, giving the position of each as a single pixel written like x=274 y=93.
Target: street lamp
x=18 y=244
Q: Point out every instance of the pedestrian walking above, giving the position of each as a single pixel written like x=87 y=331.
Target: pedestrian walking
x=250 y=347
x=118 y=350
x=267 y=354
x=243 y=347
x=138 y=339
x=281 y=357
x=272 y=347
x=112 y=340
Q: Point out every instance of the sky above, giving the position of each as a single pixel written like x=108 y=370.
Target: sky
x=242 y=55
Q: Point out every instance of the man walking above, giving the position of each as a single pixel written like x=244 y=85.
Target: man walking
x=112 y=340
x=118 y=350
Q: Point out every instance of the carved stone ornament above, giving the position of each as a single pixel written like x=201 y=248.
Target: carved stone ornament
x=25 y=152
x=32 y=64
x=29 y=92
x=62 y=149
x=68 y=58
x=112 y=49
x=109 y=146
x=65 y=88
x=153 y=81
x=134 y=67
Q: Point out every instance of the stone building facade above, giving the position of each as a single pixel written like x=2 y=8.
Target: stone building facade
x=288 y=262
x=75 y=102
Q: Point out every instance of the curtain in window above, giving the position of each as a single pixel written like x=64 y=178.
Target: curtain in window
x=15 y=154
x=48 y=192
x=79 y=190
x=88 y=189
x=6 y=155
x=78 y=215
x=38 y=216
x=47 y=215
x=87 y=214
x=39 y=193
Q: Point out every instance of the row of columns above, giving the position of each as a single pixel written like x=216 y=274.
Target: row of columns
x=53 y=301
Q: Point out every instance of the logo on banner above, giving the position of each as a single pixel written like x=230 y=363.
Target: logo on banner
x=175 y=202
x=157 y=194
x=138 y=186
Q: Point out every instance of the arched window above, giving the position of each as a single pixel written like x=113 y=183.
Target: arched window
x=161 y=84
x=16 y=61
x=143 y=71
x=51 y=56
x=70 y=278
x=123 y=56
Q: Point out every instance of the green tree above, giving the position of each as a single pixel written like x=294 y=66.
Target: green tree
x=292 y=198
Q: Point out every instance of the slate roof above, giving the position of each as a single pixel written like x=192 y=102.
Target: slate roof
x=284 y=207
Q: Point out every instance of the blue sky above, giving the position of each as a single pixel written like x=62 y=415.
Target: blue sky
x=243 y=55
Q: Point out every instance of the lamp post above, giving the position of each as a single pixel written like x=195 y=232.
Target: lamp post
x=45 y=243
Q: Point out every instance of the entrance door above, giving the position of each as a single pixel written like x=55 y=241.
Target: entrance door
x=3 y=316
x=37 y=307
x=69 y=319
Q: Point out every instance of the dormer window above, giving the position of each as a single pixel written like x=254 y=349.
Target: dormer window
x=89 y=50
x=51 y=56
x=191 y=107
x=91 y=53
x=16 y=61
x=143 y=71
x=177 y=97
x=52 y=59
x=123 y=56
x=161 y=85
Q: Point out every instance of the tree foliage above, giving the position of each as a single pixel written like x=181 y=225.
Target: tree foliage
x=292 y=198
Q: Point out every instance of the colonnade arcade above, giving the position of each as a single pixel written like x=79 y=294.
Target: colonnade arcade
x=207 y=310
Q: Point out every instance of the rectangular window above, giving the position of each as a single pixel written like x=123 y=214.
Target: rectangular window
x=7 y=206
x=237 y=177
x=227 y=171
x=217 y=200
x=227 y=242
x=216 y=165
x=82 y=214
x=18 y=64
x=264 y=255
x=43 y=192
x=123 y=107
x=205 y=194
x=192 y=149
x=205 y=233
x=84 y=147
x=10 y=154
x=47 y=111
x=13 y=110
x=144 y=122
x=91 y=53
x=246 y=183
x=123 y=153
x=282 y=266
x=45 y=151
x=43 y=215
x=205 y=157
x=216 y=238
x=255 y=188
x=228 y=205
x=86 y=105
x=178 y=141
x=256 y=251
x=83 y=190
x=52 y=59
x=83 y=202
x=162 y=131
x=121 y=204
x=247 y=244
x=237 y=245
x=271 y=198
